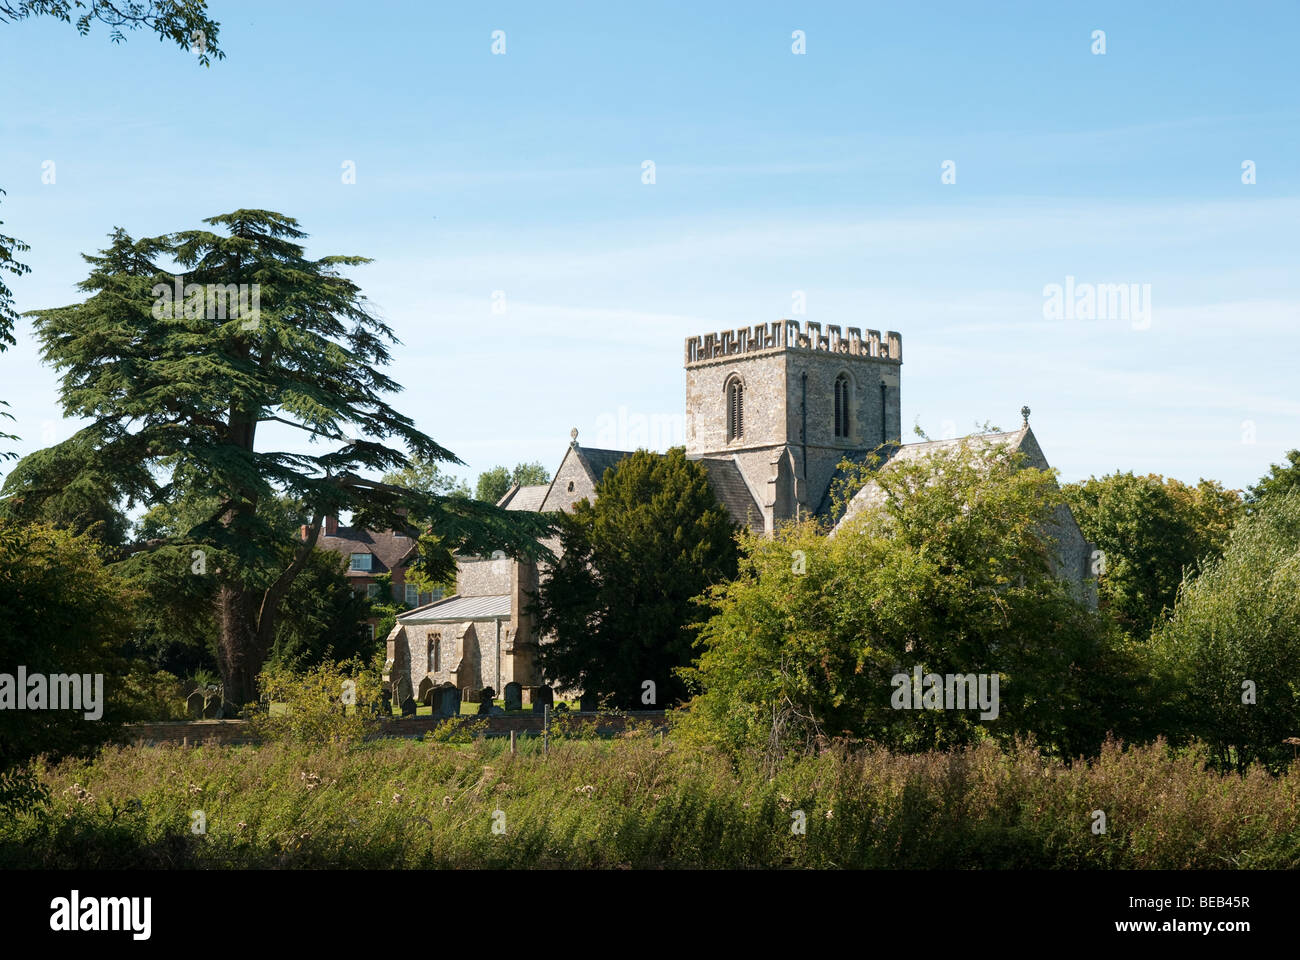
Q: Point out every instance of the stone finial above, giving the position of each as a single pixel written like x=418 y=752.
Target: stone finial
x=1024 y=412
x=573 y=434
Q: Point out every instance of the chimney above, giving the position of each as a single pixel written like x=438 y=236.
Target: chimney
x=332 y=526
x=302 y=533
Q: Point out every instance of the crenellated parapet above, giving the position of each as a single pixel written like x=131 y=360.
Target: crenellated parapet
x=788 y=335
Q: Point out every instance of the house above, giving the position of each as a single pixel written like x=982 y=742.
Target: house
x=370 y=554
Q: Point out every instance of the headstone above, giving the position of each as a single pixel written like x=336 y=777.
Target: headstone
x=194 y=705
x=514 y=696
x=485 y=698
x=587 y=703
x=495 y=711
x=212 y=708
x=386 y=703
x=425 y=692
x=408 y=707
x=542 y=697
x=446 y=701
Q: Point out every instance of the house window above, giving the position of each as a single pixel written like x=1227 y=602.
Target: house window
x=842 y=405
x=412 y=595
x=360 y=561
x=735 y=409
x=372 y=590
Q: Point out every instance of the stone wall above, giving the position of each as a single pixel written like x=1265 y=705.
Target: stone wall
x=483 y=576
x=470 y=654
x=571 y=471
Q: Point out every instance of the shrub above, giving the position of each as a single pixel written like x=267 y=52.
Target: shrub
x=328 y=703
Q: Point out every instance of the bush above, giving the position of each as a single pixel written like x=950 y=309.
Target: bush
x=1239 y=623
x=328 y=703
x=156 y=695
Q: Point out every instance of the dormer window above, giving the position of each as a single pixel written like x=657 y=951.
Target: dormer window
x=842 y=406
x=735 y=391
x=360 y=561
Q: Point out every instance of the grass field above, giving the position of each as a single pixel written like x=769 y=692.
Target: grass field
x=643 y=801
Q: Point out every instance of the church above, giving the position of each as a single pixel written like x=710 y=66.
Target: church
x=771 y=412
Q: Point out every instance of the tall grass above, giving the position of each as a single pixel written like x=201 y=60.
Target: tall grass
x=642 y=801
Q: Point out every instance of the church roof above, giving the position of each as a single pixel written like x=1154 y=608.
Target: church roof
x=457 y=608
x=732 y=492
x=525 y=498
x=725 y=478
x=598 y=460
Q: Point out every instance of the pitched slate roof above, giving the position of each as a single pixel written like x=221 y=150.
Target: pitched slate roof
x=524 y=498
x=724 y=475
x=389 y=548
x=598 y=460
x=457 y=608
x=729 y=487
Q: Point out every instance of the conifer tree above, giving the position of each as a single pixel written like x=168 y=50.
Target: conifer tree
x=176 y=392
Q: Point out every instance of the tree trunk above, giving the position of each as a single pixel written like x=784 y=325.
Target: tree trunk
x=238 y=654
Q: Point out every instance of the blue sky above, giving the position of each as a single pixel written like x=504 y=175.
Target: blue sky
x=774 y=173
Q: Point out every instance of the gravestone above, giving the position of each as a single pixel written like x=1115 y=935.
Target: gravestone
x=587 y=703
x=408 y=707
x=425 y=692
x=496 y=711
x=386 y=702
x=194 y=705
x=485 y=698
x=542 y=697
x=514 y=698
x=446 y=701
x=212 y=708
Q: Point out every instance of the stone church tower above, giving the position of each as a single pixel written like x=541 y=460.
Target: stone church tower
x=787 y=404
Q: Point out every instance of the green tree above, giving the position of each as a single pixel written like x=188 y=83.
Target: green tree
x=950 y=572
x=618 y=604
x=493 y=484
x=8 y=317
x=175 y=393
x=1150 y=530
x=183 y=22
x=1228 y=658
x=1279 y=479
x=53 y=486
x=61 y=612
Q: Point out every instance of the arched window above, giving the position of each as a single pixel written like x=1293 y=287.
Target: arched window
x=842 y=405
x=735 y=409
x=435 y=653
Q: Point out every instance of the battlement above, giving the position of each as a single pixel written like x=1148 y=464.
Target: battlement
x=786 y=335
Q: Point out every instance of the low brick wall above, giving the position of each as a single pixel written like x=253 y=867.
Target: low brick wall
x=195 y=732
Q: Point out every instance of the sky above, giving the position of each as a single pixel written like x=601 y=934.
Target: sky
x=930 y=168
